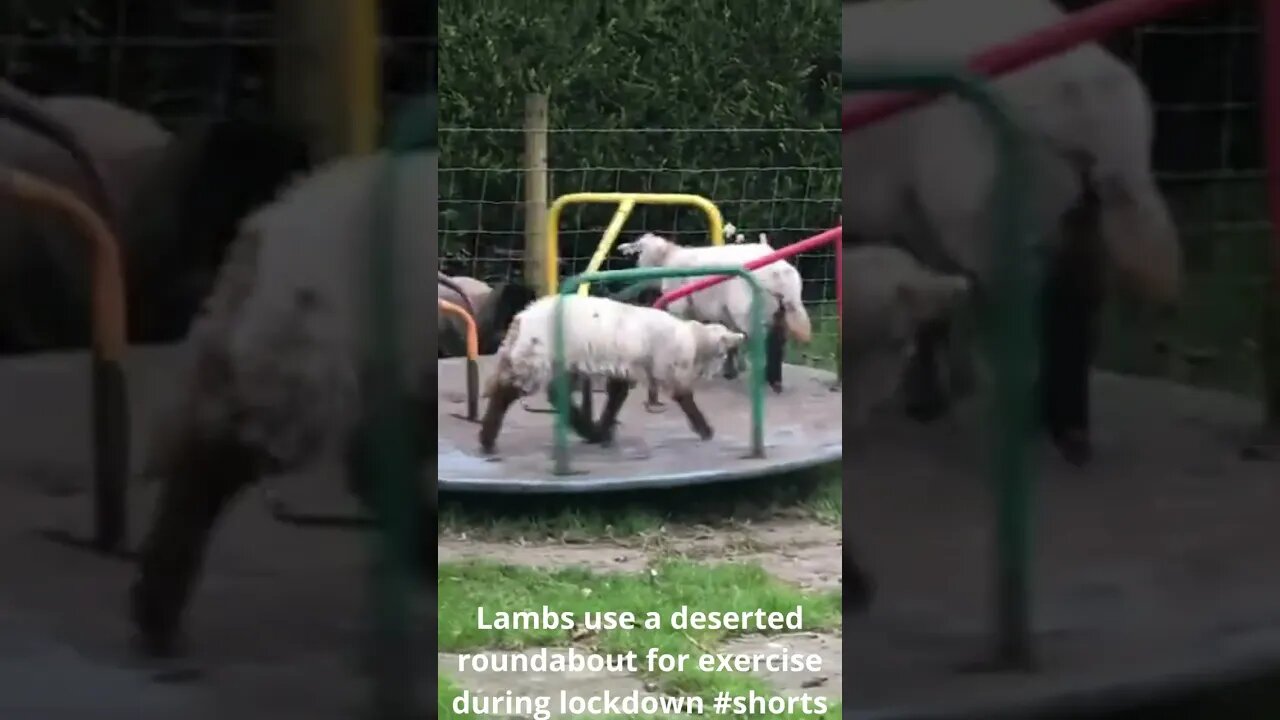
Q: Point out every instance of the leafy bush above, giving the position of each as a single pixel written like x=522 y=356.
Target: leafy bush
x=625 y=70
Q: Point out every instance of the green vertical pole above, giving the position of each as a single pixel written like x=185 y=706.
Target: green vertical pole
x=755 y=347
x=1270 y=335
x=1012 y=344
x=394 y=464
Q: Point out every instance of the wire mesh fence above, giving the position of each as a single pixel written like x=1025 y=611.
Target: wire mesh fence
x=185 y=59
x=482 y=209
x=1203 y=71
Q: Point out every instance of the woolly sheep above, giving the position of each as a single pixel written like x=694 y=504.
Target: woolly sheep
x=492 y=309
x=730 y=302
x=44 y=271
x=461 y=290
x=466 y=293
x=858 y=589
x=605 y=338
x=923 y=178
x=177 y=199
x=888 y=297
x=273 y=379
x=187 y=207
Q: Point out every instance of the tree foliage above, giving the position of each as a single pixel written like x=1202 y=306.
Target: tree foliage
x=641 y=64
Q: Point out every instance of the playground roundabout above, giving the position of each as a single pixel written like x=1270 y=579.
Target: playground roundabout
x=652 y=449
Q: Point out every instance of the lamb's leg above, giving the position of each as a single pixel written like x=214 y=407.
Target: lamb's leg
x=579 y=415
x=696 y=420
x=652 y=403
x=617 y=395
x=204 y=479
x=858 y=589
x=501 y=397
x=926 y=398
x=1070 y=307
x=361 y=485
x=775 y=346
x=730 y=370
x=587 y=407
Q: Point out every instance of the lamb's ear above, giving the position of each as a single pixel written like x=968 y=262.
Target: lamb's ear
x=647 y=295
x=729 y=340
x=927 y=299
x=915 y=298
x=956 y=288
x=509 y=299
x=497 y=311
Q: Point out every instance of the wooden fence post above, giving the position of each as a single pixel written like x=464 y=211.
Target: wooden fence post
x=535 y=191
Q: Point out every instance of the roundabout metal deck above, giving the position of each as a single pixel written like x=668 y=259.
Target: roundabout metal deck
x=653 y=450
x=1155 y=568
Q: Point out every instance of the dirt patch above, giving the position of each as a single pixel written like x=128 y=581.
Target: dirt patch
x=828 y=680
x=804 y=553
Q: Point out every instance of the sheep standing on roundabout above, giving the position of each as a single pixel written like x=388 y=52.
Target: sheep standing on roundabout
x=174 y=200
x=924 y=178
x=605 y=338
x=272 y=379
x=491 y=307
x=730 y=302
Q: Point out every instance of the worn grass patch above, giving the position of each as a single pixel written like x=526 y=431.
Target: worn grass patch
x=824 y=351
x=666 y=588
x=628 y=516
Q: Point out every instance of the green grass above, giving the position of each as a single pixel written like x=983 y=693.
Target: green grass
x=665 y=588
x=1215 y=338
x=446 y=691
x=824 y=351
x=647 y=518
x=813 y=495
x=1213 y=342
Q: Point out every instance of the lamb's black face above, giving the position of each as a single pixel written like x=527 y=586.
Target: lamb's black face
x=648 y=296
x=925 y=392
x=242 y=165
x=859 y=590
x=228 y=169
x=502 y=304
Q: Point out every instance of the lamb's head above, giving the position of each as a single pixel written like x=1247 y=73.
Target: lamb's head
x=714 y=343
x=497 y=310
x=650 y=250
x=188 y=208
x=939 y=369
x=880 y=335
x=930 y=296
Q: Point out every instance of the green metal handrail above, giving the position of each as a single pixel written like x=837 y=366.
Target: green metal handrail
x=755 y=349
x=392 y=461
x=1014 y=344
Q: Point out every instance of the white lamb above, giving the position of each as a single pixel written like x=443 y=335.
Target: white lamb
x=889 y=297
x=924 y=178
x=611 y=339
x=274 y=380
x=729 y=302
